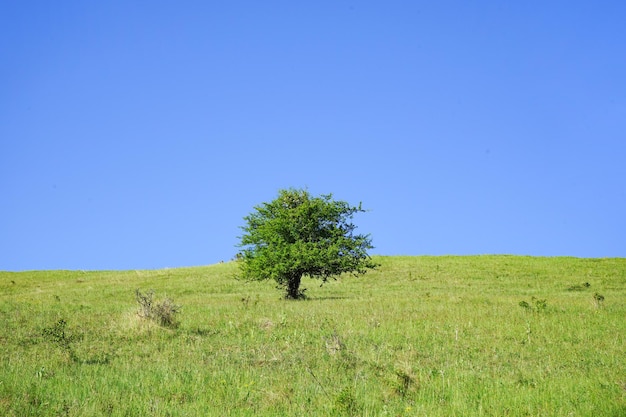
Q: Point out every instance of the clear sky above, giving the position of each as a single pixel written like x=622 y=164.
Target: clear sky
x=138 y=134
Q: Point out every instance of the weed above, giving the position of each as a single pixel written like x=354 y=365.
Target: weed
x=43 y=373
x=540 y=304
x=579 y=287
x=598 y=299
x=203 y=332
x=334 y=344
x=528 y=332
x=163 y=312
x=247 y=301
x=536 y=305
x=346 y=403
x=266 y=324
x=406 y=382
x=57 y=334
x=524 y=381
x=64 y=409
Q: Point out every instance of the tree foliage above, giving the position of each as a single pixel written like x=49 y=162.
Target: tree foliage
x=299 y=235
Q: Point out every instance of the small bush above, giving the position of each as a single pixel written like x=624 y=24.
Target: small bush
x=164 y=312
x=599 y=299
x=405 y=383
x=536 y=305
x=346 y=403
x=540 y=304
x=58 y=335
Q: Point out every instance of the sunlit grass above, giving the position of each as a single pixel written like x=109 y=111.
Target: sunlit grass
x=434 y=336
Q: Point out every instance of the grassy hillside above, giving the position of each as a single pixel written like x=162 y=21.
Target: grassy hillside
x=435 y=336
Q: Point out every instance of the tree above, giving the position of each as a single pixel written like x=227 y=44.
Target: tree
x=299 y=235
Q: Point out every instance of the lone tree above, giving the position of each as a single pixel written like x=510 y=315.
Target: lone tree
x=299 y=235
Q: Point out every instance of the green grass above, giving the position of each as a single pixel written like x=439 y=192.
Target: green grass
x=422 y=336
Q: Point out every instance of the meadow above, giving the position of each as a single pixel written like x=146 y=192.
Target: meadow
x=420 y=336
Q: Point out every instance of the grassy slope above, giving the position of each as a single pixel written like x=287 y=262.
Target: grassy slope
x=434 y=336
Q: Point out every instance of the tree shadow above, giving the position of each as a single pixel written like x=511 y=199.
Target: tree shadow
x=326 y=298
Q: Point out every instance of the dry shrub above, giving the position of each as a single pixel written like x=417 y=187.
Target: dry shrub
x=162 y=312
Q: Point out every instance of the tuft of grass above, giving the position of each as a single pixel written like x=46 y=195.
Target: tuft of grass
x=59 y=336
x=536 y=305
x=598 y=299
x=579 y=287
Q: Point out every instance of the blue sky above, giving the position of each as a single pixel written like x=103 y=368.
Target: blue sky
x=137 y=135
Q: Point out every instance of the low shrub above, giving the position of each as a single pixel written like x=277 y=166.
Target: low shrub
x=163 y=312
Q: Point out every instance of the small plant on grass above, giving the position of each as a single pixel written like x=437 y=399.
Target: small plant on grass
x=162 y=312
x=579 y=287
x=540 y=304
x=334 y=344
x=536 y=304
x=598 y=299
x=43 y=373
x=405 y=382
x=247 y=301
x=58 y=335
x=346 y=403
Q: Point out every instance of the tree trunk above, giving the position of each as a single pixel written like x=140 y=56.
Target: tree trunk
x=293 y=287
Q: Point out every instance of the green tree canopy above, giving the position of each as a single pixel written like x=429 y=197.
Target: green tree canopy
x=300 y=235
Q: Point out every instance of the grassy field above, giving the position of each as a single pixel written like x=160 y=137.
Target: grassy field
x=422 y=336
